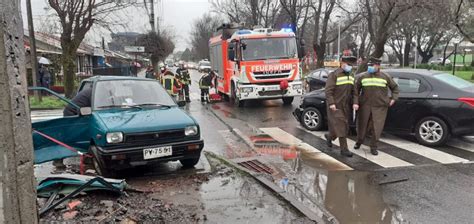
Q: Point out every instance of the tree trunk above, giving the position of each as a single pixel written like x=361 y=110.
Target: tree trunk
x=17 y=184
x=406 y=55
x=69 y=68
x=377 y=53
x=320 y=54
x=425 y=55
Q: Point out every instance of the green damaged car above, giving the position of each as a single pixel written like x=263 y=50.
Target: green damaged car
x=130 y=122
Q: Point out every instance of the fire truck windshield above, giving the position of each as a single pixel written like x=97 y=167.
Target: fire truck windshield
x=269 y=48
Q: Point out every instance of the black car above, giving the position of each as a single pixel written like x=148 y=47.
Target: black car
x=432 y=105
x=317 y=79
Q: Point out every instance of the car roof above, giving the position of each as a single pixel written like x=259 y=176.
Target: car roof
x=112 y=77
x=422 y=72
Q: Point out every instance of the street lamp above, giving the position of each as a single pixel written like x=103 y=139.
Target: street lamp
x=338 y=37
x=416 y=47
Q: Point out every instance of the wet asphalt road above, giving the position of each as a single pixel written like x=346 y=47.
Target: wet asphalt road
x=406 y=183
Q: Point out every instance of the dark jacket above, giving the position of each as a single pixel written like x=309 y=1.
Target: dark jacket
x=339 y=91
x=373 y=94
x=82 y=99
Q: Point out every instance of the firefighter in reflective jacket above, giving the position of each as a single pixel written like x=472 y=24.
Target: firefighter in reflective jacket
x=375 y=93
x=182 y=74
x=170 y=83
x=339 y=93
x=205 y=82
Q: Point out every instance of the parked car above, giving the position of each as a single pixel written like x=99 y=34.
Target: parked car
x=191 y=65
x=132 y=122
x=317 y=79
x=439 y=61
x=204 y=66
x=432 y=106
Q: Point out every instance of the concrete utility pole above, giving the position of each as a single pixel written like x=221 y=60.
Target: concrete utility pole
x=17 y=185
x=152 y=16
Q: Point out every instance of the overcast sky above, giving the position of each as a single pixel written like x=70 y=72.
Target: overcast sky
x=178 y=16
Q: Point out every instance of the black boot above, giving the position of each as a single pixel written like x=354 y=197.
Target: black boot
x=188 y=100
x=328 y=140
x=346 y=152
x=374 y=151
x=357 y=145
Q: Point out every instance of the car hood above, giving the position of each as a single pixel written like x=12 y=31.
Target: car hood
x=144 y=120
x=316 y=93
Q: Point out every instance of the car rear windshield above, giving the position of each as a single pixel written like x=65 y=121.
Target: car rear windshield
x=454 y=81
x=130 y=93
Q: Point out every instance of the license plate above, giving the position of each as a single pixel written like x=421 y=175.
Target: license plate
x=158 y=152
x=270 y=88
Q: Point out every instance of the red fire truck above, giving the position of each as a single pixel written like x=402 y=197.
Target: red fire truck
x=256 y=64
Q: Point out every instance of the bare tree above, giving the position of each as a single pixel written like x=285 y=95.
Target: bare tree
x=250 y=12
x=201 y=32
x=401 y=40
x=324 y=32
x=464 y=19
x=158 y=44
x=381 y=17
x=298 y=12
x=76 y=18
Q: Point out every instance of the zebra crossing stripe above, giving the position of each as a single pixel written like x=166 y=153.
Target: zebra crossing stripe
x=383 y=159
x=424 y=151
x=288 y=139
x=461 y=144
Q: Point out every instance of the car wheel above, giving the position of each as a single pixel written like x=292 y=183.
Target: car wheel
x=189 y=163
x=312 y=119
x=432 y=131
x=235 y=100
x=99 y=167
x=287 y=100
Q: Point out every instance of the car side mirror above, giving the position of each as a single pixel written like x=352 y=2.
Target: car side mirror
x=181 y=103
x=84 y=111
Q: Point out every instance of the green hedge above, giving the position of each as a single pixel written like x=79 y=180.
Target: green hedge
x=48 y=102
x=444 y=68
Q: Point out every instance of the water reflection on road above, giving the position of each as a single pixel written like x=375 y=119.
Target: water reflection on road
x=350 y=196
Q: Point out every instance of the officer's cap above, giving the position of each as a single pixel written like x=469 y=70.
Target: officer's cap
x=349 y=59
x=374 y=61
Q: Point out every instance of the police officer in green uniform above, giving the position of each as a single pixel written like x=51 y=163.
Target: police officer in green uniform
x=375 y=93
x=339 y=93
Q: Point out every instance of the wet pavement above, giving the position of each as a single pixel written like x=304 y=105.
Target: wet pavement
x=406 y=183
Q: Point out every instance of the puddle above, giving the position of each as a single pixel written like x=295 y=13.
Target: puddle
x=241 y=200
x=226 y=113
x=323 y=183
x=266 y=145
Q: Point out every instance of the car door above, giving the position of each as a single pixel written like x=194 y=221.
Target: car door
x=70 y=130
x=414 y=90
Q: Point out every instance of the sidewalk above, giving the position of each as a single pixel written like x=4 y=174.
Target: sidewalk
x=1 y=199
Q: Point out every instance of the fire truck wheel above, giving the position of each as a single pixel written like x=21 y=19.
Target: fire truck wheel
x=288 y=100
x=234 y=99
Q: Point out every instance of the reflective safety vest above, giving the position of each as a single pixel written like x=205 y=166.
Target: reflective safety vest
x=204 y=82
x=378 y=82
x=345 y=80
x=168 y=83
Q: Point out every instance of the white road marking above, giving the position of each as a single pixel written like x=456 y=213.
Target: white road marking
x=424 y=151
x=288 y=139
x=383 y=159
x=463 y=143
